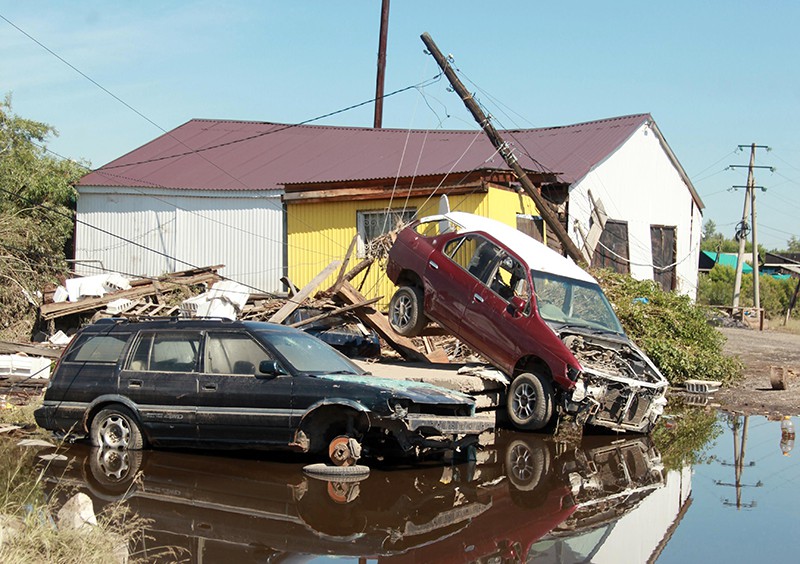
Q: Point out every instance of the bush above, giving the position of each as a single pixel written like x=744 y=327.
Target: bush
x=716 y=289
x=673 y=331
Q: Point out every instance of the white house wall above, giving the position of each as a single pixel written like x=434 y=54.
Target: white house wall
x=639 y=184
x=151 y=232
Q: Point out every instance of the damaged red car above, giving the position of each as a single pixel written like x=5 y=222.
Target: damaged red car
x=534 y=314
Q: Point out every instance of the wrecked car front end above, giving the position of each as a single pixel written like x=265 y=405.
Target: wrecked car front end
x=618 y=388
x=617 y=385
x=410 y=418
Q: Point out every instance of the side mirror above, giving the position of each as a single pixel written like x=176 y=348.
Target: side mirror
x=270 y=368
x=517 y=305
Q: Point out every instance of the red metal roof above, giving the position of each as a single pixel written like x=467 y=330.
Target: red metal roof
x=243 y=155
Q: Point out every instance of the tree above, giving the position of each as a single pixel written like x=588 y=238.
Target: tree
x=36 y=217
x=793 y=245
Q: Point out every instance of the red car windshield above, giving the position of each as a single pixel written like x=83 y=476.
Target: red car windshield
x=572 y=302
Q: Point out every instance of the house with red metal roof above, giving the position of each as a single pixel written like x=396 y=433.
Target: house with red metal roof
x=271 y=200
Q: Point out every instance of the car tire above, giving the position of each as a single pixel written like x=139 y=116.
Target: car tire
x=340 y=473
x=116 y=427
x=527 y=463
x=530 y=402
x=406 y=314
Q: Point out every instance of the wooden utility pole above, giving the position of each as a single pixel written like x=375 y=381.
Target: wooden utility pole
x=741 y=234
x=381 y=64
x=505 y=151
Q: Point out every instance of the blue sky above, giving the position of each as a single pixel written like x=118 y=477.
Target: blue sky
x=714 y=75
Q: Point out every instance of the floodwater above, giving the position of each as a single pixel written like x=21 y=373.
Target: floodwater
x=614 y=499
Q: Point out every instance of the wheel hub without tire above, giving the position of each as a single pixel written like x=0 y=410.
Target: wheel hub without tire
x=344 y=451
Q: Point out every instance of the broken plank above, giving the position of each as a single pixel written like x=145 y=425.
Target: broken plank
x=340 y=277
x=7 y=347
x=54 y=310
x=294 y=302
x=336 y=311
x=378 y=321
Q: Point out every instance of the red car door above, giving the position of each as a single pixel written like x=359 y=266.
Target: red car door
x=496 y=326
x=448 y=285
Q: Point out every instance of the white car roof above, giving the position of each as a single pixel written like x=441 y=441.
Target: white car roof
x=537 y=255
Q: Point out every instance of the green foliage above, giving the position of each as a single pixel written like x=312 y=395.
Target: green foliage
x=36 y=217
x=684 y=433
x=673 y=331
x=716 y=289
x=717 y=242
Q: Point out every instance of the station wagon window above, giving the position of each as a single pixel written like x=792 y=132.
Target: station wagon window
x=97 y=348
x=166 y=352
x=374 y=223
x=233 y=353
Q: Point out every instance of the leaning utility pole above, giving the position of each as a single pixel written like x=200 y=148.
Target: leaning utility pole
x=381 y=64
x=505 y=151
x=741 y=233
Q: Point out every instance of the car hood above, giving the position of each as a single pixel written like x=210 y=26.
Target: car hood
x=418 y=392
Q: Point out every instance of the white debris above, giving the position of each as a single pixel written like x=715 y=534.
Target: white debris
x=59 y=338
x=60 y=295
x=77 y=513
x=702 y=386
x=225 y=299
x=119 y=306
x=35 y=443
x=25 y=366
x=95 y=286
x=491 y=374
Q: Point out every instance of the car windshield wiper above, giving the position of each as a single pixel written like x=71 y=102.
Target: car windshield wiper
x=584 y=328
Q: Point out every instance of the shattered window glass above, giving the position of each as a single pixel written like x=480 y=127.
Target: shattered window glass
x=573 y=302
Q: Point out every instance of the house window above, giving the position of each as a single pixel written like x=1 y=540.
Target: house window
x=374 y=223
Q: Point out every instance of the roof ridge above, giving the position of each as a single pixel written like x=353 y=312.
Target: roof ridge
x=643 y=116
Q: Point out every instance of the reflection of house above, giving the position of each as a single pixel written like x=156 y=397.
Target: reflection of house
x=268 y=199
x=638 y=536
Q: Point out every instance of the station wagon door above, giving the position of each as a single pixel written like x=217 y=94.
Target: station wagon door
x=160 y=377
x=236 y=403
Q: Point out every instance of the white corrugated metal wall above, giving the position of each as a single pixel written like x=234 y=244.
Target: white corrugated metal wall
x=149 y=232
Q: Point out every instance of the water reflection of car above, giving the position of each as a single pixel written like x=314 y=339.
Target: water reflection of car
x=219 y=509
x=551 y=490
x=525 y=489
x=234 y=384
x=533 y=313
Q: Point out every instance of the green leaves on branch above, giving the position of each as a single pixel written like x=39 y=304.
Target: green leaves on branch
x=673 y=331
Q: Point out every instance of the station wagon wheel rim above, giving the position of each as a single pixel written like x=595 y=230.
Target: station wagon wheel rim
x=115 y=431
x=114 y=463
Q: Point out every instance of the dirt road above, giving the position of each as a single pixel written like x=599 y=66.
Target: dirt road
x=759 y=351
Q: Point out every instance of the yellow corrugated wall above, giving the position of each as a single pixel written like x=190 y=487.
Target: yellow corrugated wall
x=319 y=233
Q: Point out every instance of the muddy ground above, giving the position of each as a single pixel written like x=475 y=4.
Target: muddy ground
x=762 y=352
